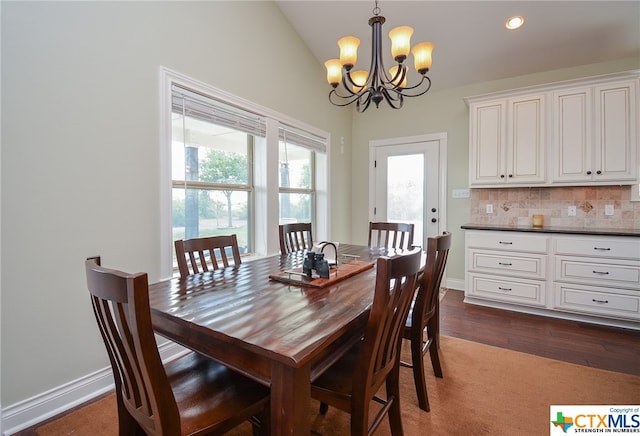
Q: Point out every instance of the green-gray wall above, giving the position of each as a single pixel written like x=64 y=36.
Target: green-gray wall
x=81 y=151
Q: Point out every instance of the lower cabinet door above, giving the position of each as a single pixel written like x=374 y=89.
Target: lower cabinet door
x=518 y=291
x=597 y=301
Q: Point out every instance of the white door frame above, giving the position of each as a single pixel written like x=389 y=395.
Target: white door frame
x=442 y=170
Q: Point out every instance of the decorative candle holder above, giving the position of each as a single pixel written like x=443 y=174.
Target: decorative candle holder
x=537 y=220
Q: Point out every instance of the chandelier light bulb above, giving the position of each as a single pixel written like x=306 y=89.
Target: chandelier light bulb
x=422 y=57
x=359 y=79
x=401 y=80
x=348 y=51
x=334 y=71
x=400 y=42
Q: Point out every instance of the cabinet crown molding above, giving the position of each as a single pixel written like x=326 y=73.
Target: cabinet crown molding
x=552 y=86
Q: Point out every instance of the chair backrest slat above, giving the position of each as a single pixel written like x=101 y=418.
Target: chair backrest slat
x=390 y=235
x=295 y=237
x=206 y=254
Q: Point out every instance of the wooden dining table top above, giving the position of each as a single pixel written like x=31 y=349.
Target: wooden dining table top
x=282 y=335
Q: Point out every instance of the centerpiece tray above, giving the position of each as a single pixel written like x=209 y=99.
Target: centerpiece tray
x=295 y=276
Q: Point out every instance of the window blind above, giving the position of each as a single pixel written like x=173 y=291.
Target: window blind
x=192 y=104
x=292 y=135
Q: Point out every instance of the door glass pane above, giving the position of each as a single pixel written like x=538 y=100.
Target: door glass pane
x=405 y=191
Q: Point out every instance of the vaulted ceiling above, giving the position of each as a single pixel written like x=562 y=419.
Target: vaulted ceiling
x=471 y=42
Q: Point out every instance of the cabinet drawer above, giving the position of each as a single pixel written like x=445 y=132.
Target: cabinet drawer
x=520 y=291
x=508 y=241
x=599 y=247
x=533 y=265
x=591 y=300
x=625 y=275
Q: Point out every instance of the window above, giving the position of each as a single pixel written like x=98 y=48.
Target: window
x=231 y=166
x=211 y=157
x=297 y=175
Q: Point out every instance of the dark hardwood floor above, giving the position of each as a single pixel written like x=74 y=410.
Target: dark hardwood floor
x=607 y=348
x=614 y=349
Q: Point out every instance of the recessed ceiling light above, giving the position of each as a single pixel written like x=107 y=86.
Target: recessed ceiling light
x=514 y=22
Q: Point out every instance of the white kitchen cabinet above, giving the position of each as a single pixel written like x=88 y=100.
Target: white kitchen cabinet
x=594 y=278
x=595 y=134
x=597 y=275
x=508 y=141
x=574 y=133
x=507 y=266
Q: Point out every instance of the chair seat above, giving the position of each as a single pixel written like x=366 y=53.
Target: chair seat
x=205 y=389
x=338 y=380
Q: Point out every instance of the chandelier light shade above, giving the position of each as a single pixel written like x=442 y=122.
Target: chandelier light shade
x=363 y=87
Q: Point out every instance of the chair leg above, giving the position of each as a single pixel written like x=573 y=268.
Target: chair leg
x=417 y=359
x=324 y=408
x=393 y=391
x=433 y=352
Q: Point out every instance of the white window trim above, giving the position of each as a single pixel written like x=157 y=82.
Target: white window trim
x=266 y=184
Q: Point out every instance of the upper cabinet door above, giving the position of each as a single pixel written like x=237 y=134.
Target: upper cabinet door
x=527 y=140
x=572 y=135
x=615 y=132
x=487 y=153
x=507 y=144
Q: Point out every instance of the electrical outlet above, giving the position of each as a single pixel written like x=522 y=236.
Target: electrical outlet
x=571 y=211
x=489 y=208
x=608 y=209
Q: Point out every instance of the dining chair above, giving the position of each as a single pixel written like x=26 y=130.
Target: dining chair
x=199 y=253
x=295 y=237
x=390 y=235
x=423 y=318
x=191 y=395
x=354 y=380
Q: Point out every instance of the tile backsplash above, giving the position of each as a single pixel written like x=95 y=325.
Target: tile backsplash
x=516 y=206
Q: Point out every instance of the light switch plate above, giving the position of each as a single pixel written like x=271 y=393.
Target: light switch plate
x=489 y=208
x=571 y=211
x=460 y=193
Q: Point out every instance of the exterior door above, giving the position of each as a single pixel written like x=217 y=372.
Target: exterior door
x=407 y=183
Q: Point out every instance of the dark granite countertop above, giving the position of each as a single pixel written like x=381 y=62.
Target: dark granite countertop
x=552 y=229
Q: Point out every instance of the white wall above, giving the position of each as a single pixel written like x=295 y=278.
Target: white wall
x=81 y=152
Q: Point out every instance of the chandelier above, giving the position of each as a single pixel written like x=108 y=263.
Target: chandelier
x=378 y=84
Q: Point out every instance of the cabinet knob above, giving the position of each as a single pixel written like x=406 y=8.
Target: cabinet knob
x=598 y=172
x=510 y=175
x=588 y=173
x=433 y=220
x=502 y=176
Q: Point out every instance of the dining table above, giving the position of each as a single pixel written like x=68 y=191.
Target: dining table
x=263 y=320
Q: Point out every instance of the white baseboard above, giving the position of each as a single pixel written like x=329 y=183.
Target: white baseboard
x=457 y=284
x=48 y=404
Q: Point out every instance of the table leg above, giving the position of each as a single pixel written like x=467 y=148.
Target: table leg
x=290 y=400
